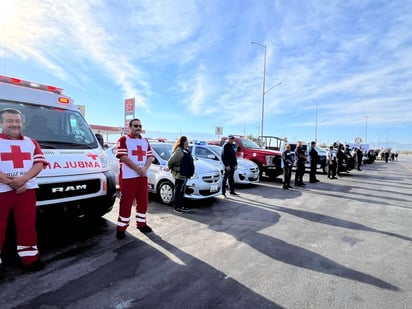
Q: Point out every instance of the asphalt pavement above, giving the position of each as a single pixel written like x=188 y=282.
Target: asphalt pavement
x=343 y=243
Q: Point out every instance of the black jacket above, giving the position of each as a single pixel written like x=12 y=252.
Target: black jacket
x=229 y=157
x=314 y=156
x=300 y=156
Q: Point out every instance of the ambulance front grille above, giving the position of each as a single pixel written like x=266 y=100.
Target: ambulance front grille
x=61 y=190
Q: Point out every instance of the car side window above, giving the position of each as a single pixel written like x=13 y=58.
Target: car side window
x=202 y=152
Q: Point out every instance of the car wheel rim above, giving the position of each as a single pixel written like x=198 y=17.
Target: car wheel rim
x=166 y=193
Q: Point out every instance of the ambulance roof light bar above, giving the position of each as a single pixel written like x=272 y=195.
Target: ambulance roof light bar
x=24 y=83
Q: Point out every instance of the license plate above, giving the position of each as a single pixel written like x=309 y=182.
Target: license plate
x=213 y=188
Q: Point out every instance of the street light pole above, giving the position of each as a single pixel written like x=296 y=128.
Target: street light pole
x=366 y=129
x=263 y=87
x=316 y=118
x=316 y=122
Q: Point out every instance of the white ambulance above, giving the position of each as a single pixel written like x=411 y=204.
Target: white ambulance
x=77 y=179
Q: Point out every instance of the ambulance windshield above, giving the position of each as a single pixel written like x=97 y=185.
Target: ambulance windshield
x=55 y=128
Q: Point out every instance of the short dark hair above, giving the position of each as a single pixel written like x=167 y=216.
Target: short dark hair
x=134 y=119
x=10 y=111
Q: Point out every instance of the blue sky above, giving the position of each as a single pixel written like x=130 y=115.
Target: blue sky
x=190 y=65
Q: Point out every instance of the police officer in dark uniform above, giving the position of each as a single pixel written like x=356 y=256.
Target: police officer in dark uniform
x=348 y=159
x=314 y=160
x=359 y=157
x=287 y=158
x=300 y=158
x=229 y=160
x=340 y=155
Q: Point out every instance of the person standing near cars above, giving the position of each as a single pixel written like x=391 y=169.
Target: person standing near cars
x=348 y=159
x=340 y=156
x=314 y=159
x=21 y=160
x=359 y=157
x=135 y=155
x=229 y=159
x=300 y=158
x=331 y=161
x=182 y=167
x=287 y=158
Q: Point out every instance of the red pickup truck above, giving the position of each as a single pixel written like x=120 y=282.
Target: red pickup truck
x=269 y=161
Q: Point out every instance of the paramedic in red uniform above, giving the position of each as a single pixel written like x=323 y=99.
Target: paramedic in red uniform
x=21 y=160
x=135 y=155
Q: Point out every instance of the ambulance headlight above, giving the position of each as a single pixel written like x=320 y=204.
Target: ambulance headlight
x=104 y=159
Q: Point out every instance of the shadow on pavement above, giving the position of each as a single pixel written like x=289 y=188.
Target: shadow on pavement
x=264 y=215
x=87 y=265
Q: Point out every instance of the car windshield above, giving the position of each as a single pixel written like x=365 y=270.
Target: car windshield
x=318 y=149
x=54 y=128
x=248 y=144
x=164 y=150
x=217 y=149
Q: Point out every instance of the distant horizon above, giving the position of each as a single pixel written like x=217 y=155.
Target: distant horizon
x=198 y=136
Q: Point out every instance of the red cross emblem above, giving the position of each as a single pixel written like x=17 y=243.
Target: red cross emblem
x=93 y=156
x=16 y=156
x=140 y=153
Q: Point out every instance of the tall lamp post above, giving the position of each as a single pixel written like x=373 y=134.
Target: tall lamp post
x=264 y=91
x=316 y=123
x=316 y=119
x=366 y=129
x=263 y=88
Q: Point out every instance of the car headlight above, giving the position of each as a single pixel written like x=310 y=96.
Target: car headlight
x=269 y=160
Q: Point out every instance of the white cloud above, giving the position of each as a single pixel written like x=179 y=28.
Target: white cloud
x=352 y=57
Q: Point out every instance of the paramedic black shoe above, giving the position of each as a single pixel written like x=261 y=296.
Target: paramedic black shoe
x=145 y=229
x=35 y=266
x=178 y=210
x=185 y=209
x=234 y=193
x=120 y=234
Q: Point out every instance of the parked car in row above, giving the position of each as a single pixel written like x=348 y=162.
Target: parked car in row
x=246 y=173
x=205 y=183
x=268 y=160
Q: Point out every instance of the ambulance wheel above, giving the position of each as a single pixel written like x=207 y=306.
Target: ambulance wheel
x=165 y=192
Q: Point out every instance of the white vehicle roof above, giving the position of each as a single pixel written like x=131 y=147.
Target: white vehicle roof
x=18 y=90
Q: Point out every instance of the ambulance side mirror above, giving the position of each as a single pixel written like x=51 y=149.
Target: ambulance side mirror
x=100 y=139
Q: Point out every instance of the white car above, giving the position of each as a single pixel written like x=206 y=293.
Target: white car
x=205 y=183
x=247 y=171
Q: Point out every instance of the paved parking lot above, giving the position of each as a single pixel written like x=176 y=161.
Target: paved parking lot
x=342 y=243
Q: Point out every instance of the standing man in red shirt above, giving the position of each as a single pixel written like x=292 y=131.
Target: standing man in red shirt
x=21 y=160
x=135 y=155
